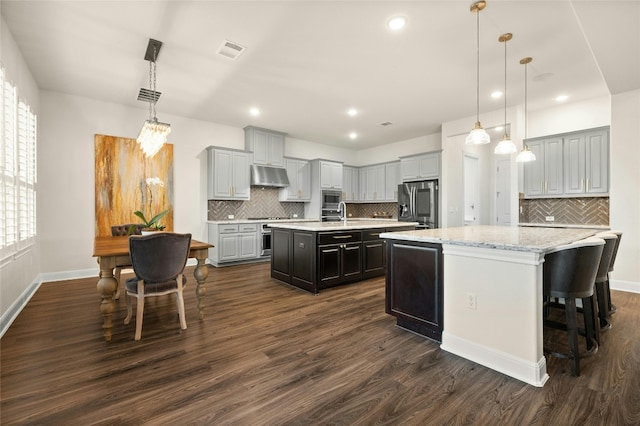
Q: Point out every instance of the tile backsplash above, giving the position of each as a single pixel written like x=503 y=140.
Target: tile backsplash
x=264 y=203
x=579 y=211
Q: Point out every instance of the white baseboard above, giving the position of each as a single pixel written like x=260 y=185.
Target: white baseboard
x=533 y=373
x=16 y=307
x=629 y=286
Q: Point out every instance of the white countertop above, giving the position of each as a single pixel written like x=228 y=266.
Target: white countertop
x=352 y=224
x=516 y=238
x=238 y=221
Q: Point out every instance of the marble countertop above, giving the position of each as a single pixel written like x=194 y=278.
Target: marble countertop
x=516 y=238
x=352 y=224
x=238 y=221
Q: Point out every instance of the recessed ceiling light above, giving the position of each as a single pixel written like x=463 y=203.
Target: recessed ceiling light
x=254 y=111
x=352 y=112
x=353 y=135
x=561 y=98
x=396 y=23
x=496 y=94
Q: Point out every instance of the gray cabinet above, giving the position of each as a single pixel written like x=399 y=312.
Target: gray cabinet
x=544 y=177
x=330 y=175
x=228 y=174
x=267 y=146
x=350 y=183
x=568 y=165
x=233 y=242
x=374 y=184
x=392 y=180
x=299 y=173
x=418 y=167
x=586 y=163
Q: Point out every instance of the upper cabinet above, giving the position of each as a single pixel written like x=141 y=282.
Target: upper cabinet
x=228 y=174
x=267 y=146
x=418 y=167
x=392 y=180
x=350 y=183
x=569 y=165
x=373 y=186
x=330 y=175
x=543 y=177
x=586 y=163
x=299 y=173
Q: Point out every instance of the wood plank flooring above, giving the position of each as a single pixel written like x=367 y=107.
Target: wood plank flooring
x=269 y=354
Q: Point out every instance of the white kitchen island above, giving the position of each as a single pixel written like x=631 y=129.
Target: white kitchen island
x=492 y=284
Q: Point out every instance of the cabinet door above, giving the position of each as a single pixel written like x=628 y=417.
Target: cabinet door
x=325 y=175
x=409 y=168
x=275 y=150
x=247 y=245
x=222 y=180
x=574 y=164
x=241 y=177
x=329 y=266
x=362 y=184
x=554 y=184
x=373 y=258
x=534 y=171
x=349 y=180
x=304 y=181
x=597 y=162
x=392 y=180
x=351 y=260
x=228 y=247
x=429 y=166
x=336 y=176
x=371 y=186
x=260 y=147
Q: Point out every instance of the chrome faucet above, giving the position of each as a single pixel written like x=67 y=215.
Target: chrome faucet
x=342 y=211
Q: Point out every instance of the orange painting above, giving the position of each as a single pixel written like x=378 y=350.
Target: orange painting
x=126 y=181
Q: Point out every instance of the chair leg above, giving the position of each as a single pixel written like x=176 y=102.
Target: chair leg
x=603 y=306
x=591 y=323
x=127 y=298
x=572 y=330
x=140 y=310
x=180 y=302
x=612 y=307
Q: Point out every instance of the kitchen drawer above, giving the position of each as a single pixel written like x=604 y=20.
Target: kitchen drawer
x=339 y=237
x=248 y=227
x=372 y=234
x=227 y=229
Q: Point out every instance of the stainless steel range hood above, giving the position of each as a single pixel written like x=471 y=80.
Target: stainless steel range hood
x=269 y=176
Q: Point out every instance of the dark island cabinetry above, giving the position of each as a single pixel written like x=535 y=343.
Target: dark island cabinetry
x=313 y=260
x=414 y=286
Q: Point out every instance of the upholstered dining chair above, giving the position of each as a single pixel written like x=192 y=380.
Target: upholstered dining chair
x=158 y=262
x=122 y=230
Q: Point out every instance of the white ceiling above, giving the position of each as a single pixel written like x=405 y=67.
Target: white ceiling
x=307 y=62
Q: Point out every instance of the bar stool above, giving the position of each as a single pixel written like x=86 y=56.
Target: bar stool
x=569 y=273
x=612 y=307
x=602 y=278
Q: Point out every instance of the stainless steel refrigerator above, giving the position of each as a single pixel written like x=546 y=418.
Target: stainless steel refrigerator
x=418 y=202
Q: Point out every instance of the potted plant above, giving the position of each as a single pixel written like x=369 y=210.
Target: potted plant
x=153 y=224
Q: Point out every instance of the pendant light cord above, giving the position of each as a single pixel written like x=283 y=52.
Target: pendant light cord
x=505 y=86
x=478 y=66
x=525 y=100
x=152 y=86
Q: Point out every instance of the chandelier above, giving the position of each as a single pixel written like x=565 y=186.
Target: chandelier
x=505 y=146
x=478 y=135
x=153 y=133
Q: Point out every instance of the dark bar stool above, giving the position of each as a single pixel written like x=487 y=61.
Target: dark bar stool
x=612 y=307
x=602 y=278
x=569 y=273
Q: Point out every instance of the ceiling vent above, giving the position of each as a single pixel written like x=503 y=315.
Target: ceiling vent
x=386 y=123
x=146 y=95
x=231 y=50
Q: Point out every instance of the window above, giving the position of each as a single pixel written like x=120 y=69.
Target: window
x=18 y=170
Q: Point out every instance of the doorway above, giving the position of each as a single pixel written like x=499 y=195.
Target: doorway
x=471 y=179
x=503 y=204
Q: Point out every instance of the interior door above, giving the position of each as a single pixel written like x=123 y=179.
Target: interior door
x=471 y=178
x=502 y=200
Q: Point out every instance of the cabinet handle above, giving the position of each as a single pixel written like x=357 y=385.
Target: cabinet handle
x=374 y=235
x=587 y=184
x=340 y=237
x=546 y=187
x=581 y=185
x=331 y=250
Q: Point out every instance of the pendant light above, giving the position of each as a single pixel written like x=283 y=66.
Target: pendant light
x=478 y=135
x=505 y=146
x=153 y=133
x=525 y=155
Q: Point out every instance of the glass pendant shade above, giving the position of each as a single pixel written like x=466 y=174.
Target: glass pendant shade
x=478 y=136
x=525 y=155
x=152 y=136
x=506 y=146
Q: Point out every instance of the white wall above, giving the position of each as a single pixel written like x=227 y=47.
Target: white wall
x=393 y=151
x=624 y=199
x=569 y=117
x=17 y=273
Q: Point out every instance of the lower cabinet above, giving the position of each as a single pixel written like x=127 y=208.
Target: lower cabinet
x=339 y=257
x=373 y=253
x=414 y=286
x=233 y=242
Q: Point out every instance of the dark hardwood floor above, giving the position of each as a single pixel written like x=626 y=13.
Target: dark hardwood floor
x=269 y=354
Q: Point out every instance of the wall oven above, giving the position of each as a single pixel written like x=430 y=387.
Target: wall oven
x=329 y=207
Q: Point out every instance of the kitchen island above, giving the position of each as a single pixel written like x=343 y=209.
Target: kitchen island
x=317 y=255
x=479 y=290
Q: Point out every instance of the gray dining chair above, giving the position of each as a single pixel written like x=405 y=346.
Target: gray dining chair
x=158 y=262
x=122 y=230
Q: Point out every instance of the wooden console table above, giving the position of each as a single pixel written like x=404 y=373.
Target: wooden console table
x=115 y=250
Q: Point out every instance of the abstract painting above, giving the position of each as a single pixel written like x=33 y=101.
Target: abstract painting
x=126 y=181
